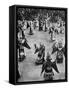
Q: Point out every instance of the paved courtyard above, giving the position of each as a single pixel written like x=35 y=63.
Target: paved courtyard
x=27 y=68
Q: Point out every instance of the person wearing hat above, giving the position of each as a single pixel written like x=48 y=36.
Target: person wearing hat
x=41 y=54
x=22 y=42
x=48 y=67
x=60 y=52
x=55 y=47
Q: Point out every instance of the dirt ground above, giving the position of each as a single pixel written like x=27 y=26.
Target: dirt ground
x=27 y=68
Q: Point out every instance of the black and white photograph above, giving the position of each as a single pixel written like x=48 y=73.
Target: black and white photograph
x=34 y=44
x=41 y=44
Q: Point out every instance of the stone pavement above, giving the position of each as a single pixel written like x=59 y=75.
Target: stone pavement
x=27 y=69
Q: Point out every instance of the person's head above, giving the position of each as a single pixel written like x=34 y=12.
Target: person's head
x=60 y=44
x=48 y=57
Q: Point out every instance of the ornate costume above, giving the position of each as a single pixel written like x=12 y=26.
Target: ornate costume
x=48 y=67
x=60 y=49
x=22 y=42
x=41 y=54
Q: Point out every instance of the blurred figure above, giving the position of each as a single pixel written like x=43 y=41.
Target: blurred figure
x=52 y=34
x=41 y=54
x=48 y=67
x=60 y=52
x=31 y=31
x=59 y=48
x=22 y=42
x=54 y=47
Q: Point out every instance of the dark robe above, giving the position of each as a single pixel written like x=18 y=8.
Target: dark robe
x=59 y=56
x=47 y=68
